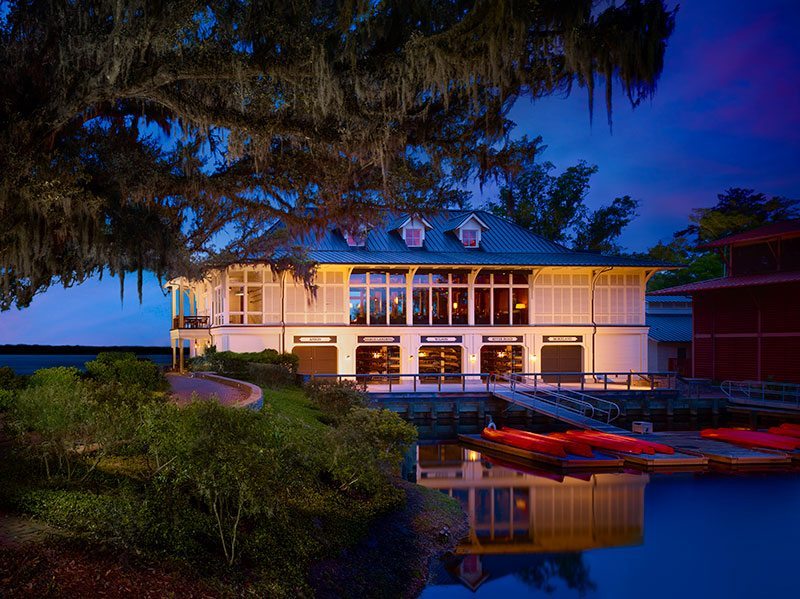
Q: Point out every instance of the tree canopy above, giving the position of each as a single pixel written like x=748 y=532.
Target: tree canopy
x=554 y=205
x=736 y=210
x=166 y=135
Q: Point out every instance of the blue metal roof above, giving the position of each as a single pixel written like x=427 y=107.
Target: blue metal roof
x=657 y=299
x=675 y=328
x=502 y=244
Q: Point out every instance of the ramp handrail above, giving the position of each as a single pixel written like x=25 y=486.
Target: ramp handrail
x=784 y=395
x=554 y=398
x=604 y=406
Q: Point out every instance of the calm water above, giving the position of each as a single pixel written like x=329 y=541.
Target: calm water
x=615 y=535
x=28 y=364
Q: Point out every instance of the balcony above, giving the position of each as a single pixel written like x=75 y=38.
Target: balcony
x=191 y=322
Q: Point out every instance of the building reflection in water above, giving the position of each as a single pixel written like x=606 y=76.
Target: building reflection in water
x=518 y=510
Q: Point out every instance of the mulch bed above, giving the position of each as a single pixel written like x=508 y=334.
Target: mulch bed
x=65 y=571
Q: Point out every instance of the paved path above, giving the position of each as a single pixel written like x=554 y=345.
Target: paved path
x=16 y=530
x=184 y=386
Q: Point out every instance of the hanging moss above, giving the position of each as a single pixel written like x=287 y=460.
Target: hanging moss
x=168 y=136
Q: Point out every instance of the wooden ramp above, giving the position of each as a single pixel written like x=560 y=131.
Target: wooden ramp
x=599 y=462
x=557 y=412
x=690 y=442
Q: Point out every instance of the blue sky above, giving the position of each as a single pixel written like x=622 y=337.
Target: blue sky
x=726 y=114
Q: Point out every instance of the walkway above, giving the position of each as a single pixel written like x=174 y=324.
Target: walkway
x=184 y=386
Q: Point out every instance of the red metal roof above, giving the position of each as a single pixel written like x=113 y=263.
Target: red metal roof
x=728 y=282
x=786 y=228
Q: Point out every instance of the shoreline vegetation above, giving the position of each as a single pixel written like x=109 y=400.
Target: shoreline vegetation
x=303 y=497
x=25 y=349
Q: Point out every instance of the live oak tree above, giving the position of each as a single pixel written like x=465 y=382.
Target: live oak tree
x=156 y=135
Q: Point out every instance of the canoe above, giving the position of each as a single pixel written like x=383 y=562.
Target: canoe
x=752 y=438
x=788 y=430
x=622 y=444
x=523 y=442
x=656 y=447
x=570 y=445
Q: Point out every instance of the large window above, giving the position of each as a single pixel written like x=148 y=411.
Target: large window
x=440 y=360
x=377 y=298
x=245 y=297
x=378 y=360
x=501 y=359
x=501 y=297
x=440 y=298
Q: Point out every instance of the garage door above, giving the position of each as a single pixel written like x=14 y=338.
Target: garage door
x=562 y=358
x=316 y=359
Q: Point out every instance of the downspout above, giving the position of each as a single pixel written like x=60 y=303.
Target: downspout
x=594 y=324
x=283 y=312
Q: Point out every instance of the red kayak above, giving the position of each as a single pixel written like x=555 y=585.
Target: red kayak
x=786 y=429
x=656 y=447
x=570 y=445
x=752 y=438
x=621 y=444
x=548 y=447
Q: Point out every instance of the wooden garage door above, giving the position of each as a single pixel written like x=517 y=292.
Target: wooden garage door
x=316 y=359
x=562 y=358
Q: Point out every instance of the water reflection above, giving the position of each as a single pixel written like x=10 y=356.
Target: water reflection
x=515 y=511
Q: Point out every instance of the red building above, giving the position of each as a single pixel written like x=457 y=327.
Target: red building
x=746 y=324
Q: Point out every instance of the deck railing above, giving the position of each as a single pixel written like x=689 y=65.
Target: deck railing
x=760 y=393
x=555 y=381
x=190 y=322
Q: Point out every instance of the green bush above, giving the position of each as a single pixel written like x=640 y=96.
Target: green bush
x=237 y=365
x=335 y=399
x=269 y=375
x=10 y=380
x=7 y=399
x=127 y=370
x=367 y=449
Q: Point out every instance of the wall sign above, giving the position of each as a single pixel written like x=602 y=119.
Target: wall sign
x=321 y=339
x=367 y=339
x=502 y=339
x=563 y=339
x=436 y=339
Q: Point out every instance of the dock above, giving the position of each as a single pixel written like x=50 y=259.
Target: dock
x=690 y=442
x=601 y=461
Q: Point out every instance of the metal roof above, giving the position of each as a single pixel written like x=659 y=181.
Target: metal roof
x=674 y=328
x=786 y=228
x=731 y=282
x=657 y=299
x=503 y=243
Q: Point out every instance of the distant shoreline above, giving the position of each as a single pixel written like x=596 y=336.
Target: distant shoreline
x=74 y=350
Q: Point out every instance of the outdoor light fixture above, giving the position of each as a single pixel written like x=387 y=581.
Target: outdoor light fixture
x=347 y=357
x=533 y=357
x=411 y=356
x=472 y=357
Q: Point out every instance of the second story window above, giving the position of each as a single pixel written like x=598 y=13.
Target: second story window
x=414 y=237
x=501 y=297
x=440 y=298
x=469 y=237
x=377 y=298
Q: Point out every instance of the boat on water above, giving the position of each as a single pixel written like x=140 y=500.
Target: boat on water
x=543 y=445
x=571 y=446
x=750 y=438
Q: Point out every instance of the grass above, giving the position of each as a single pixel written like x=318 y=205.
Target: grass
x=293 y=404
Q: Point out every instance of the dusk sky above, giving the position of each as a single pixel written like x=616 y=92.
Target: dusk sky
x=726 y=114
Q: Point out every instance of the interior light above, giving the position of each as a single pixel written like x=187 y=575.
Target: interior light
x=520 y=306
x=376 y=354
x=240 y=294
x=455 y=305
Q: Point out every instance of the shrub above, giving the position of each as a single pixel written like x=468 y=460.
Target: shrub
x=126 y=369
x=367 y=449
x=335 y=399
x=236 y=365
x=7 y=399
x=269 y=375
x=10 y=380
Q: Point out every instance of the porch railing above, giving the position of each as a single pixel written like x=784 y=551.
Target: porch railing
x=191 y=322
x=552 y=381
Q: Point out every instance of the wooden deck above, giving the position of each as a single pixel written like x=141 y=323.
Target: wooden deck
x=599 y=462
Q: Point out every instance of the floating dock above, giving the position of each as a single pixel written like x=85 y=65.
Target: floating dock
x=663 y=461
x=690 y=442
x=601 y=461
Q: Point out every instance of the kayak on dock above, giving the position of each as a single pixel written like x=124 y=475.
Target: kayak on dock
x=611 y=442
x=546 y=446
x=786 y=429
x=570 y=445
x=656 y=447
x=750 y=438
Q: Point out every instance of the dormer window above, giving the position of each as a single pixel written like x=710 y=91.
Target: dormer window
x=469 y=237
x=356 y=239
x=414 y=237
